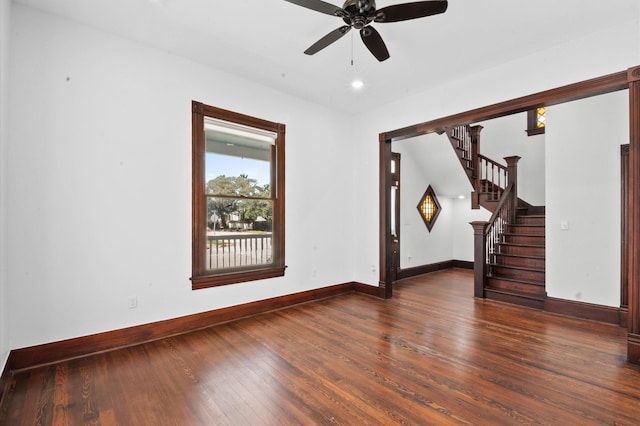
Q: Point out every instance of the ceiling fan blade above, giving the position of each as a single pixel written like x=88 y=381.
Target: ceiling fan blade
x=406 y=11
x=328 y=39
x=318 y=6
x=374 y=43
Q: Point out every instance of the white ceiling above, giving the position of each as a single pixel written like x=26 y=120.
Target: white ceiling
x=263 y=40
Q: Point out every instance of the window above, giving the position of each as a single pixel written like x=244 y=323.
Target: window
x=429 y=208
x=238 y=197
x=536 y=121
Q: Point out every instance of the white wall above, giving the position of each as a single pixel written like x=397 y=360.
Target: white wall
x=507 y=136
x=463 y=231
x=5 y=8
x=607 y=51
x=419 y=169
x=583 y=141
x=430 y=160
x=418 y=245
x=100 y=194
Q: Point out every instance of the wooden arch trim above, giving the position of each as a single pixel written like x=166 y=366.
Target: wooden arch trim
x=628 y=79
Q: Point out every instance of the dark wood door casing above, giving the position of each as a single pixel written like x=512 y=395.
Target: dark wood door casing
x=633 y=193
x=624 y=233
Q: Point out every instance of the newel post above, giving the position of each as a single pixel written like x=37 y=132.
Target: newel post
x=474 y=132
x=512 y=176
x=479 y=257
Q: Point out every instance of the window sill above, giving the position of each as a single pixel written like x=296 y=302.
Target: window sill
x=206 y=281
x=536 y=131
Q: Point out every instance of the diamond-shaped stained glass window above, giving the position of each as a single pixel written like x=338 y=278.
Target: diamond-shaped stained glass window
x=429 y=207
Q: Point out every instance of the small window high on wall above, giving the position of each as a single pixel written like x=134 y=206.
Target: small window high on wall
x=536 y=121
x=238 y=197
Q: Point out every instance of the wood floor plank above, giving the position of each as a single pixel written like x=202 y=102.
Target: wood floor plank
x=430 y=355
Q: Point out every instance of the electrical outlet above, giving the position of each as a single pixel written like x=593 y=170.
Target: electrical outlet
x=133 y=302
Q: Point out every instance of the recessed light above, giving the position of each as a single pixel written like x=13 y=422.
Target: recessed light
x=357 y=84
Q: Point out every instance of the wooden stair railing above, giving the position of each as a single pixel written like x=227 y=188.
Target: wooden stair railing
x=491 y=182
x=465 y=142
x=487 y=236
x=487 y=177
x=509 y=250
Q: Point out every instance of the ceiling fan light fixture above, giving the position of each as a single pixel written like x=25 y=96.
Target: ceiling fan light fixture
x=357 y=84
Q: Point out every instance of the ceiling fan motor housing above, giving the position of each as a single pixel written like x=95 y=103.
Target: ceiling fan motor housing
x=359 y=13
x=366 y=6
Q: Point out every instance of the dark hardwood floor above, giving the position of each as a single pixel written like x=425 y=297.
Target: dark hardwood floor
x=431 y=355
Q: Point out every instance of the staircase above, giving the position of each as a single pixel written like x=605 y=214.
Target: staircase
x=510 y=247
x=515 y=268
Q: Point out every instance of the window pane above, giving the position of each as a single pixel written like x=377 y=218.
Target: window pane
x=239 y=158
x=238 y=232
x=541 y=117
x=228 y=175
x=394 y=190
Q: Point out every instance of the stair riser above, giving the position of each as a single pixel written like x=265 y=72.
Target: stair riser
x=525 y=288
x=526 y=250
x=518 y=274
x=515 y=299
x=526 y=230
x=524 y=262
x=531 y=220
x=537 y=240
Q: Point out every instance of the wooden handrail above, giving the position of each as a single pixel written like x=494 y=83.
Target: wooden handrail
x=504 y=201
x=503 y=215
x=492 y=162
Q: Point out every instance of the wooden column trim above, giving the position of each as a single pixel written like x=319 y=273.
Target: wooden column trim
x=624 y=234
x=479 y=258
x=386 y=253
x=633 y=320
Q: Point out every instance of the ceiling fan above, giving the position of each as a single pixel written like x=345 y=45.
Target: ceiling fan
x=359 y=14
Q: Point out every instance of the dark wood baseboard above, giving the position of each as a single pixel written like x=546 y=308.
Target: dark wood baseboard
x=588 y=311
x=49 y=353
x=369 y=290
x=432 y=267
x=463 y=264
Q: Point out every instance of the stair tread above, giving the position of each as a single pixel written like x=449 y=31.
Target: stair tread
x=520 y=268
x=535 y=246
x=503 y=243
x=517 y=280
x=516 y=293
x=521 y=256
